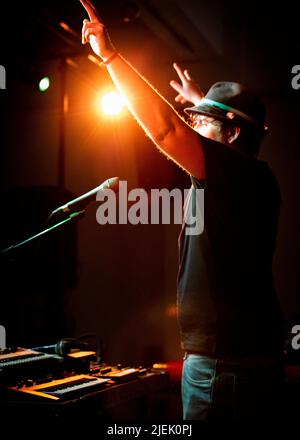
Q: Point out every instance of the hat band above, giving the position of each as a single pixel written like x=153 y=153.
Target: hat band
x=210 y=102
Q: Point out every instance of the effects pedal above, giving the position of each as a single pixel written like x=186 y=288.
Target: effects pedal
x=116 y=373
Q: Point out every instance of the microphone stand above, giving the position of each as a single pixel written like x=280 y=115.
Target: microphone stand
x=15 y=247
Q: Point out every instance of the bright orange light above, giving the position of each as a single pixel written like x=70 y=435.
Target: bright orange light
x=112 y=103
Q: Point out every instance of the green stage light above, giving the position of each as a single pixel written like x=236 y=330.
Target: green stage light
x=44 y=84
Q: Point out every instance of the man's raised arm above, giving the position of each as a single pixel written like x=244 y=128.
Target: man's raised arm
x=158 y=118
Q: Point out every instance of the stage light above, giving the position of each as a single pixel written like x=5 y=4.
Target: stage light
x=112 y=103
x=44 y=84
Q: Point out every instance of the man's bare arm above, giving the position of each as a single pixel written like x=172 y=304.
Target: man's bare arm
x=157 y=117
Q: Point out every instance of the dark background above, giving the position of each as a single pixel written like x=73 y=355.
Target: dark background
x=119 y=282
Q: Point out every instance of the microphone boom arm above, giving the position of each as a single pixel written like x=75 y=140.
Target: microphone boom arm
x=7 y=251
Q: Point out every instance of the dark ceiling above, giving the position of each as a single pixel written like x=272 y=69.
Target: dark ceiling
x=214 y=35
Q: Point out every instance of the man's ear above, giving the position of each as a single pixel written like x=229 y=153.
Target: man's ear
x=233 y=134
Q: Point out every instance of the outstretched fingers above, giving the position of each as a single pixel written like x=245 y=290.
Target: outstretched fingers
x=176 y=86
x=184 y=75
x=91 y=10
x=187 y=75
x=179 y=72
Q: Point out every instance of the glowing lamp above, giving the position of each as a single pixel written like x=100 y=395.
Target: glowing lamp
x=112 y=103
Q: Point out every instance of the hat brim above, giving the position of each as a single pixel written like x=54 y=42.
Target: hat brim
x=220 y=114
x=208 y=111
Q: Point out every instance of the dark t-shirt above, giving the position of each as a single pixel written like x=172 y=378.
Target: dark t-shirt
x=227 y=302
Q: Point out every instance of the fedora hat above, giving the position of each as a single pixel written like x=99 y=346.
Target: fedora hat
x=232 y=102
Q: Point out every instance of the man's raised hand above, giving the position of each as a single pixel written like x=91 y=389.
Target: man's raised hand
x=95 y=33
x=188 y=90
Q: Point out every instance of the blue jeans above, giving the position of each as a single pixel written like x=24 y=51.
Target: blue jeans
x=213 y=389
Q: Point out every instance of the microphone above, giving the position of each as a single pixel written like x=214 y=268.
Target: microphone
x=64 y=347
x=83 y=200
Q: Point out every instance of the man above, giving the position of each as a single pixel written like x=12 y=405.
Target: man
x=234 y=343
x=229 y=317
